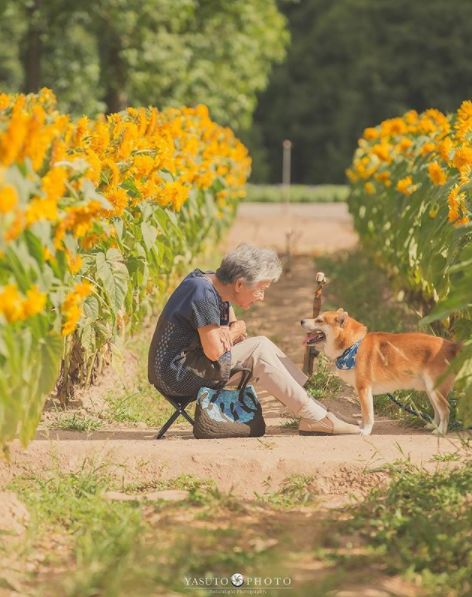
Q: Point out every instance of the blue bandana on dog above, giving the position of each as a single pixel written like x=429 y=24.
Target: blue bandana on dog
x=348 y=359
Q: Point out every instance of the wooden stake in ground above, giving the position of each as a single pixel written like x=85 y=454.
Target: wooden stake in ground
x=286 y=179
x=311 y=351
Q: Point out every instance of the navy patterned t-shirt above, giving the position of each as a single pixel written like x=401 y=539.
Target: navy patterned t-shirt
x=177 y=365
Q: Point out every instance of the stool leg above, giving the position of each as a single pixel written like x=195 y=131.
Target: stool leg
x=166 y=426
x=187 y=416
x=181 y=406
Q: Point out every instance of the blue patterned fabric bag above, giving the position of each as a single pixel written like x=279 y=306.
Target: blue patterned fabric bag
x=229 y=413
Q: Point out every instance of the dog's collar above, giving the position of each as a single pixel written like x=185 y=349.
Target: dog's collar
x=348 y=358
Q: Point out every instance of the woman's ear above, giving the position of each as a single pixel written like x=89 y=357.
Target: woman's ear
x=238 y=284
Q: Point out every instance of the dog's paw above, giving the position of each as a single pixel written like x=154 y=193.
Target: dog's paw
x=366 y=430
x=439 y=432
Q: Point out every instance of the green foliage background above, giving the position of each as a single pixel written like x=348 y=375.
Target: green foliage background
x=351 y=64
x=102 y=55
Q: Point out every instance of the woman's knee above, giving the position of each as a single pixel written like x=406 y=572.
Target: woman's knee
x=264 y=345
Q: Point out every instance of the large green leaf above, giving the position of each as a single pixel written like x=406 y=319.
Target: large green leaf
x=91 y=308
x=51 y=349
x=112 y=272
x=149 y=234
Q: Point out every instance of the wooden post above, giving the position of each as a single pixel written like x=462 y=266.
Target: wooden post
x=286 y=169
x=311 y=351
x=286 y=178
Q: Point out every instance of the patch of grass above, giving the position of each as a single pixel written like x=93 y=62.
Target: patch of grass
x=144 y=404
x=418 y=527
x=297 y=193
x=290 y=423
x=117 y=548
x=77 y=422
x=294 y=492
x=200 y=490
x=100 y=533
x=323 y=383
x=447 y=457
x=145 y=407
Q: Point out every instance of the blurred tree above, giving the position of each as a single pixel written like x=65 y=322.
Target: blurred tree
x=353 y=63
x=46 y=43
x=11 y=73
x=32 y=44
x=140 y=52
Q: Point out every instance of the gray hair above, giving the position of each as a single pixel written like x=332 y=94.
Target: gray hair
x=251 y=263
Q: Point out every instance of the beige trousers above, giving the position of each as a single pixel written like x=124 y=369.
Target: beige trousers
x=274 y=372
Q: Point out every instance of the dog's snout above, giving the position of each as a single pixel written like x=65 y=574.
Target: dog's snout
x=302 y=321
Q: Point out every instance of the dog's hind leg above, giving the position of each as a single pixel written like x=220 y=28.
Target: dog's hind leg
x=438 y=397
x=434 y=424
x=366 y=399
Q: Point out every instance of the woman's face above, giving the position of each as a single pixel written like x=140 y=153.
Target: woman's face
x=246 y=295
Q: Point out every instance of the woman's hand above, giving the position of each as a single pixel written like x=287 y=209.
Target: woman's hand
x=226 y=338
x=237 y=331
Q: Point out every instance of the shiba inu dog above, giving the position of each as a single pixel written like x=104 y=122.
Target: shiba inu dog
x=380 y=362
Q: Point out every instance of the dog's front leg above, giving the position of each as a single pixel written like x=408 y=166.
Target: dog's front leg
x=366 y=399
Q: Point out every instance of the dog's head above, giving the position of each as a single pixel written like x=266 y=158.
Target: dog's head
x=325 y=327
x=330 y=326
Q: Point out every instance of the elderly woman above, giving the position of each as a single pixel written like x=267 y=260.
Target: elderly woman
x=198 y=339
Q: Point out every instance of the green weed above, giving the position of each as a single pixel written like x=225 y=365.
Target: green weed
x=77 y=422
x=447 y=457
x=418 y=527
x=294 y=492
x=101 y=533
x=146 y=406
x=144 y=403
x=200 y=490
x=123 y=547
x=323 y=383
x=290 y=423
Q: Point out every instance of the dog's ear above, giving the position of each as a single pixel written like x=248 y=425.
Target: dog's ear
x=341 y=317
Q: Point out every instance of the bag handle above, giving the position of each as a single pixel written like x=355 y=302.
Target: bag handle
x=246 y=374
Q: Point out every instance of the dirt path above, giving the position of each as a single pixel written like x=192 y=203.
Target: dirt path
x=340 y=465
x=316 y=227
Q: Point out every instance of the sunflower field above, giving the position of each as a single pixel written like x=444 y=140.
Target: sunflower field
x=411 y=199
x=94 y=216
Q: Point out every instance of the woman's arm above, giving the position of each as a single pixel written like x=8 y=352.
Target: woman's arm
x=215 y=340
